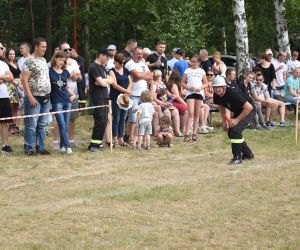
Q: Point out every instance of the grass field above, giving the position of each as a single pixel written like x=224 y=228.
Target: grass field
x=184 y=197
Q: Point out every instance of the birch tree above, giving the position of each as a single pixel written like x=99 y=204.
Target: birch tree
x=281 y=27
x=241 y=37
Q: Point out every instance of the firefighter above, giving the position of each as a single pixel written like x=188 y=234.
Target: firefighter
x=243 y=111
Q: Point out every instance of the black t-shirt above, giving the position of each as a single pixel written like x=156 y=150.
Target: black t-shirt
x=15 y=71
x=122 y=80
x=164 y=65
x=206 y=65
x=233 y=100
x=268 y=73
x=96 y=91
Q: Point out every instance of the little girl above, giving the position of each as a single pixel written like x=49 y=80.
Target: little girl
x=194 y=81
x=145 y=113
x=165 y=134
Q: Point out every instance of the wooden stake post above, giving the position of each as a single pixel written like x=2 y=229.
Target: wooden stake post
x=110 y=126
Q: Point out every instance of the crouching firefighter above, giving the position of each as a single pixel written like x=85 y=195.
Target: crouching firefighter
x=243 y=110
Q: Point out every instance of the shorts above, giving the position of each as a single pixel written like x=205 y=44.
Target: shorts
x=180 y=106
x=145 y=128
x=74 y=114
x=279 y=94
x=131 y=115
x=195 y=96
x=5 y=110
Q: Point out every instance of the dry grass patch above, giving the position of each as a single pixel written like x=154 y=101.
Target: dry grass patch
x=184 y=197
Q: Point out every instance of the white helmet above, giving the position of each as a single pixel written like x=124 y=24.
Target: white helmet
x=219 y=81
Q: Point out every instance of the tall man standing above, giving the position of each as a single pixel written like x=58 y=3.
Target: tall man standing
x=243 y=113
x=37 y=87
x=157 y=60
x=140 y=74
x=5 y=109
x=99 y=82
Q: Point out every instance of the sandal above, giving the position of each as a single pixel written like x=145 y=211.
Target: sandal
x=124 y=144
x=194 y=137
x=116 y=145
x=187 y=138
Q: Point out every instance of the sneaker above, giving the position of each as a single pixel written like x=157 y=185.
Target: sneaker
x=283 y=124
x=266 y=127
x=6 y=149
x=93 y=149
x=56 y=145
x=30 y=153
x=62 y=150
x=69 y=151
x=203 y=130
x=259 y=127
x=43 y=152
x=271 y=124
x=248 y=157
x=210 y=129
x=235 y=161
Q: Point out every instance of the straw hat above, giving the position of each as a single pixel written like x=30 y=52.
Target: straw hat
x=124 y=102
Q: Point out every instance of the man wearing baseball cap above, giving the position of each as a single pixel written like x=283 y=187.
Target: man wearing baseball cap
x=99 y=82
x=243 y=113
x=112 y=50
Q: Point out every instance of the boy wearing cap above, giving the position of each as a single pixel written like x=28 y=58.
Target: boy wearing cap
x=243 y=113
x=99 y=82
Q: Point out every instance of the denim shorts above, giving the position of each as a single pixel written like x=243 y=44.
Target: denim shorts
x=145 y=128
x=131 y=114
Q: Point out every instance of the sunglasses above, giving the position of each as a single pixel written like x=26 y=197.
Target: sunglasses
x=209 y=74
x=259 y=80
x=68 y=50
x=111 y=50
x=1 y=48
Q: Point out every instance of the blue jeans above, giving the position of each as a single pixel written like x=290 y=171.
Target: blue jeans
x=118 y=122
x=63 y=121
x=133 y=115
x=34 y=132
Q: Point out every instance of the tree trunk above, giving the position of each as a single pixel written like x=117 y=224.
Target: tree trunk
x=87 y=55
x=241 y=37
x=31 y=19
x=281 y=27
x=10 y=21
x=49 y=27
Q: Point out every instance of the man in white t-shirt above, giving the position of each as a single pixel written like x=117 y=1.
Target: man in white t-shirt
x=25 y=52
x=293 y=62
x=281 y=73
x=5 y=110
x=112 y=50
x=140 y=75
x=73 y=68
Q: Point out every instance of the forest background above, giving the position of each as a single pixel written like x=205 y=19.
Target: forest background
x=191 y=25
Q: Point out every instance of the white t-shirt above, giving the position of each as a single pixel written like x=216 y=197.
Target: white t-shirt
x=140 y=85
x=194 y=79
x=3 y=86
x=146 y=110
x=172 y=62
x=110 y=64
x=261 y=91
x=72 y=65
x=279 y=73
x=291 y=64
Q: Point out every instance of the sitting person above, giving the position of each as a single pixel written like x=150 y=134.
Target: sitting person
x=219 y=66
x=162 y=97
x=292 y=86
x=165 y=134
x=260 y=94
x=174 y=87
